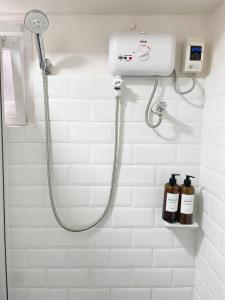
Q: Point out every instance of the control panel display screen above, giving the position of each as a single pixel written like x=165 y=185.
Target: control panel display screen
x=196 y=53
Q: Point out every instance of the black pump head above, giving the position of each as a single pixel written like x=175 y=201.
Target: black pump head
x=173 y=179
x=187 y=181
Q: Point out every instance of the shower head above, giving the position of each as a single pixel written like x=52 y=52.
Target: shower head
x=36 y=21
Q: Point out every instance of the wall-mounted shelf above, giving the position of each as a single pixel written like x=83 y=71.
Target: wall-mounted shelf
x=180 y=226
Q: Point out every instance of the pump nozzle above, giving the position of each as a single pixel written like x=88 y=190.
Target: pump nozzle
x=173 y=179
x=187 y=181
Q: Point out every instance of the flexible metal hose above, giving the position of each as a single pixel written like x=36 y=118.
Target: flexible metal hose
x=148 y=107
x=160 y=114
x=49 y=161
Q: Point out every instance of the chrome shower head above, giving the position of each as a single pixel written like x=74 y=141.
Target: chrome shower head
x=36 y=21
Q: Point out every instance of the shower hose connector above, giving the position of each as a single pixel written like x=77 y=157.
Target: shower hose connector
x=117 y=85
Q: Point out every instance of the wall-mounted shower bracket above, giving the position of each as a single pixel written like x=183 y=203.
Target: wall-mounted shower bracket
x=47 y=66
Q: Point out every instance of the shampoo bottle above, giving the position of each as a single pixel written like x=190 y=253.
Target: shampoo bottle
x=171 y=197
x=186 y=202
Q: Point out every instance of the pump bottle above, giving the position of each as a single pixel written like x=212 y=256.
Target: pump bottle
x=186 y=202
x=171 y=197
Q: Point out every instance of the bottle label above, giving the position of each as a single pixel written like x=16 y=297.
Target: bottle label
x=172 y=202
x=187 y=204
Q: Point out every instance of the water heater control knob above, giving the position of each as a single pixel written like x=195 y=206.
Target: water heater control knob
x=143 y=52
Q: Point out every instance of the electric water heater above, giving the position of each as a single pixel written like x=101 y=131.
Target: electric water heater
x=142 y=54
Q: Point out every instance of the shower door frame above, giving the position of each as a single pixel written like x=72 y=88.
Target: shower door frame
x=3 y=260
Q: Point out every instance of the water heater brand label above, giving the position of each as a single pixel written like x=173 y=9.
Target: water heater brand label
x=172 y=202
x=187 y=204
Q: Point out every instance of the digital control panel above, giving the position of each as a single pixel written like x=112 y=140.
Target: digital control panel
x=193 y=56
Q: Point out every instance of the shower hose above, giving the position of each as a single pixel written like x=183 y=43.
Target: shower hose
x=49 y=161
x=148 y=107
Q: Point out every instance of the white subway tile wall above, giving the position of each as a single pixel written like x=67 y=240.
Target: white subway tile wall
x=130 y=255
x=210 y=263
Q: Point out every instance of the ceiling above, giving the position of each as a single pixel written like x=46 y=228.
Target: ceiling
x=127 y=7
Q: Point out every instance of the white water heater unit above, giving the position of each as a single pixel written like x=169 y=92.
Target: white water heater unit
x=142 y=54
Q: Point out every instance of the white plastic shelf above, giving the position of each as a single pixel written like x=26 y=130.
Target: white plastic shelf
x=177 y=225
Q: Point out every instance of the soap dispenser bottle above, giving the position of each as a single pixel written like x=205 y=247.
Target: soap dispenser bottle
x=171 y=198
x=186 y=202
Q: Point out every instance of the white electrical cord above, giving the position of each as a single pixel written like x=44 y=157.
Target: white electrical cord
x=117 y=88
x=183 y=92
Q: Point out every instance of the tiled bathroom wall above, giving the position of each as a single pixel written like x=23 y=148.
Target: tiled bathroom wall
x=130 y=254
x=210 y=265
